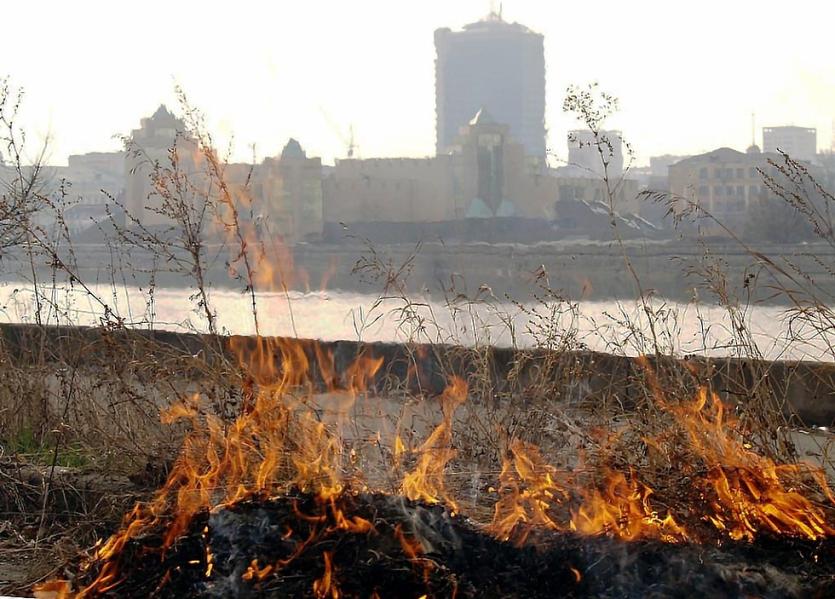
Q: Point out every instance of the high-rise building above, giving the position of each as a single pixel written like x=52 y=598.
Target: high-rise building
x=801 y=143
x=495 y=65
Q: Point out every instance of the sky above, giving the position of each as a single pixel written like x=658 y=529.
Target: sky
x=689 y=75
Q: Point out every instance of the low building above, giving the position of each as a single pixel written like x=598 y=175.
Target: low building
x=485 y=174
x=725 y=183
x=95 y=185
x=389 y=190
x=575 y=184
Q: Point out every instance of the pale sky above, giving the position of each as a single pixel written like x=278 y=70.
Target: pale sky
x=688 y=74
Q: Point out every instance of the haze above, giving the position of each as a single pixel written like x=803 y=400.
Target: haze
x=688 y=80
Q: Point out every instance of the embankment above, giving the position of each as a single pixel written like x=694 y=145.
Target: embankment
x=166 y=360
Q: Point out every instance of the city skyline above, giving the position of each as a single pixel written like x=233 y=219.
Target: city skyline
x=274 y=83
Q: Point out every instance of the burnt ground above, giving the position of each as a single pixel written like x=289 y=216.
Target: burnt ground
x=455 y=558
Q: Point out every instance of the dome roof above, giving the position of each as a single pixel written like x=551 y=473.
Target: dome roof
x=753 y=149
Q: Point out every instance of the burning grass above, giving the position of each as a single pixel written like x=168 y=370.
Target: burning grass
x=260 y=504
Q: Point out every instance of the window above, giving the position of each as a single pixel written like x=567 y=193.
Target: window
x=740 y=191
x=740 y=172
x=703 y=173
x=702 y=191
x=717 y=191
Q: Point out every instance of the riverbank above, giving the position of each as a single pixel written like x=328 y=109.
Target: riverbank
x=804 y=389
x=590 y=270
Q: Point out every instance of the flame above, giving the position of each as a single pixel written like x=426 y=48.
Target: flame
x=750 y=493
x=414 y=551
x=427 y=482
x=529 y=487
x=534 y=494
x=253 y=572
x=326 y=586
x=279 y=442
x=623 y=508
x=53 y=589
x=275 y=443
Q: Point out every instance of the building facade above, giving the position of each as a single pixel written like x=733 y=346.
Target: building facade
x=149 y=148
x=289 y=189
x=584 y=153
x=801 y=143
x=496 y=65
x=485 y=174
x=725 y=182
x=95 y=183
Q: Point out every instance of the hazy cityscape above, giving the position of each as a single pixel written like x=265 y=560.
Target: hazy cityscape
x=498 y=176
x=492 y=161
x=473 y=299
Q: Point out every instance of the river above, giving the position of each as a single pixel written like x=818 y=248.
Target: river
x=614 y=326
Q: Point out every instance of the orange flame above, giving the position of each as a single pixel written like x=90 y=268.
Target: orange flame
x=752 y=493
x=529 y=488
x=426 y=482
x=278 y=442
x=623 y=509
x=326 y=586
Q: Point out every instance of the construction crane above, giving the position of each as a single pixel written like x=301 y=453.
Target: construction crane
x=349 y=140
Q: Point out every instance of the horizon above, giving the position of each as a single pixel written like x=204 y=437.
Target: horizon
x=267 y=84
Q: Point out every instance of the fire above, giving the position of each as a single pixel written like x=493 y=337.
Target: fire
x=253 y=572
x=749 y=493
x=426 y=482
x=623 y=508
x=278 y=442
x=529 y=488
x=326 y=586
x=535 y=494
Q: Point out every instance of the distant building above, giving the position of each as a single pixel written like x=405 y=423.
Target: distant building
x=584 y=154
x=725 y=182
x=79 y=192
x=94 y=181
x=659 y=166
x=582 y=179
x=801 y=143
x=492 y=64
x=485 y=174
x=572 y=185
x=389 y=190
x=288 y=190
x=494 y=176
x=149 y=146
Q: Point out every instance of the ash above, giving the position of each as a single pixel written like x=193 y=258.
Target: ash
x=276 y=547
